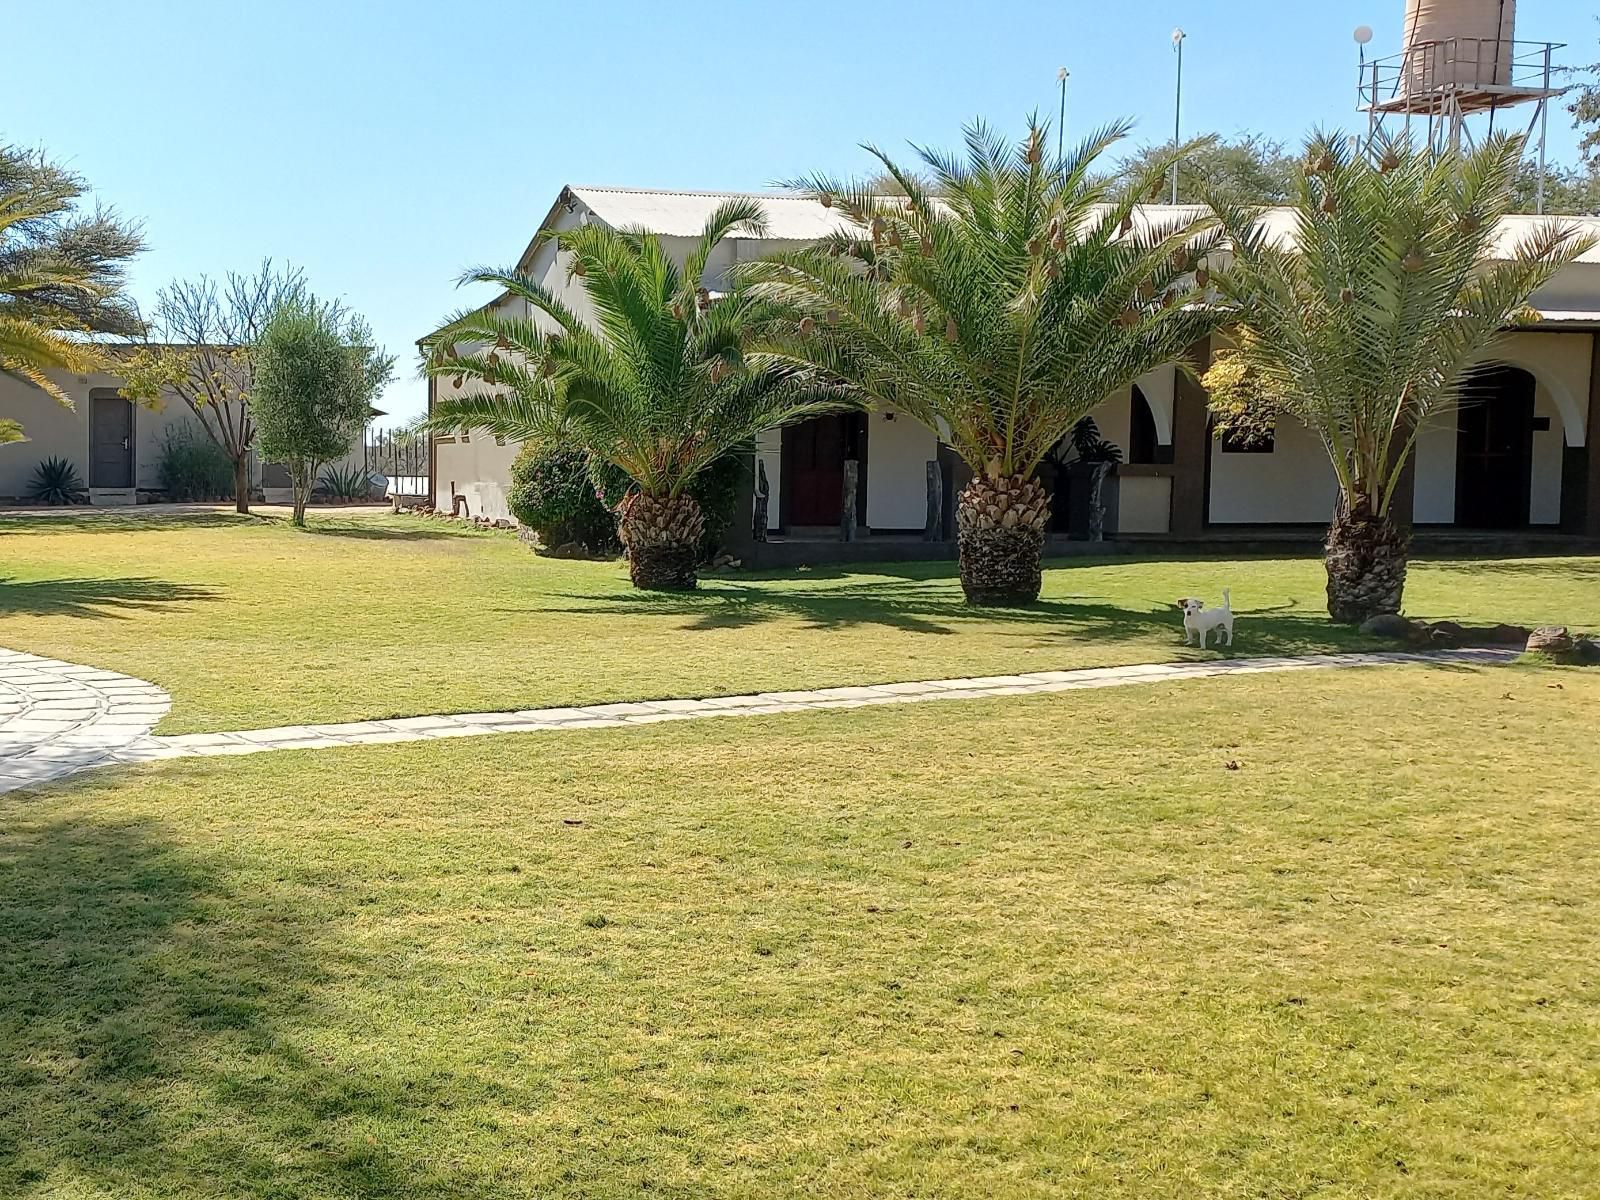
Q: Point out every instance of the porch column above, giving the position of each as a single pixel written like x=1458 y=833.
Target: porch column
x=1190 y=434
x=1591 y=443
x=1402 y=504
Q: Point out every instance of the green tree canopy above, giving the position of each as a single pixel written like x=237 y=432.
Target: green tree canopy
x=62 y=276
x=1249 y=169
x=316 y=375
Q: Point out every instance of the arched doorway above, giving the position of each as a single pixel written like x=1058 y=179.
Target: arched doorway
x=1494 y=449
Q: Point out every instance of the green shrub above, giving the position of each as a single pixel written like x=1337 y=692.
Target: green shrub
x=553 y=494
x=56 y=481
x=716 y=489
x=192 y=466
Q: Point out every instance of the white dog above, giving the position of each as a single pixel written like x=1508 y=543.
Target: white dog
x=1198 y=620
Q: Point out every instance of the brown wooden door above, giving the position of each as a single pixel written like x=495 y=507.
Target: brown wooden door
x=1494 y=450
x=813 y=471
x=110 y=442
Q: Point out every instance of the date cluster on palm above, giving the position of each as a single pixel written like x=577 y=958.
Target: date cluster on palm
x=661 y=536
x=1000 y=524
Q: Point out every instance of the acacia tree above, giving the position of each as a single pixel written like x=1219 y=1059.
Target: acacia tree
x=62 y=276
x=998 y=302
x=316 y=375
x=660 y=387
x=1364 y=328
x=202 y=346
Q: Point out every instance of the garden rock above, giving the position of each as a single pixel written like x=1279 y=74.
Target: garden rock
x=1446 y=635
x=1553 y=640
x=1389 y=625
x=1586 y=652
x=565 y=550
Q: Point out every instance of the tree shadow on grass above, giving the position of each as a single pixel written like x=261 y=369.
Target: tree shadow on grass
x=109 y=598
x=159 y=1029
x=1581 y=570
x=360 y=529
x=923 y=606
x=122 y=521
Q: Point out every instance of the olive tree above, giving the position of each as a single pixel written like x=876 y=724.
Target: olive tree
x=316 y=375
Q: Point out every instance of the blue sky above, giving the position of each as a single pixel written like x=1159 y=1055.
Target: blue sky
x=385 y=146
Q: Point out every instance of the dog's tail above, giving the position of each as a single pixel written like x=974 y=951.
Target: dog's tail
x=1227 y=600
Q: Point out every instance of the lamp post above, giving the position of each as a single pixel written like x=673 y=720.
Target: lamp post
x=1178 y=37
x=1061 y=125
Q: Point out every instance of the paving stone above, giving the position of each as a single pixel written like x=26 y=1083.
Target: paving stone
x=408 y=723
x=615 y=710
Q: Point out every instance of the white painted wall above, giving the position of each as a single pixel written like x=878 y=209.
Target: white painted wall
x=1144 y=504
x=1293 y=484
x=898 y=451
x=55 y=431
x=1544 y=497
x=1435 y=502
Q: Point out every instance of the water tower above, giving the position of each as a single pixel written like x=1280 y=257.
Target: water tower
x=1461 y=70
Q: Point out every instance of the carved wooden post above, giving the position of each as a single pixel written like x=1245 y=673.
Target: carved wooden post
x=847 y=517
x=1097 y=509
x=933 y=527
x=758 y=528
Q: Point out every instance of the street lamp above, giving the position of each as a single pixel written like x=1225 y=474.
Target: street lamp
x=1178 y=37
x=1061 y=125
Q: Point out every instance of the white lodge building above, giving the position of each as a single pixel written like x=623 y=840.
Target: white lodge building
x=1522 y=457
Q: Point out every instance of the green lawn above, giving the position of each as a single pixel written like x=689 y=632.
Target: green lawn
x=249 y=622
x=1045 y=946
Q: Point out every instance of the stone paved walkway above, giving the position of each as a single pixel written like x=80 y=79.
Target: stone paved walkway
x=57 y=718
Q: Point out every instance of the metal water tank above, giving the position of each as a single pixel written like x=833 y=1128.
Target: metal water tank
x=1458 y=43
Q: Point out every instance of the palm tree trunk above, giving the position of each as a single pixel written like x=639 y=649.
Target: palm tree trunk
x=661 y=536
x=1000 y=525
x=1366 y=563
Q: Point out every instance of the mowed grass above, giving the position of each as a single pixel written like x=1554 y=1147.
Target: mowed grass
x=248 y=622
x=1050 y=946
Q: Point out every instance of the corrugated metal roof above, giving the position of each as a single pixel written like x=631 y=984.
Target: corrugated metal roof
x=683 y=214
x=797 y=218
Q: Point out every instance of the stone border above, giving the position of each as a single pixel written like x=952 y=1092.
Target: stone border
x=122 y=734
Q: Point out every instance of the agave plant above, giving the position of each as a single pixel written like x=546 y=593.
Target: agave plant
x=347 y=483
x=998 y=302
x=661 y=386
x=1366 y=327
x=55 y=481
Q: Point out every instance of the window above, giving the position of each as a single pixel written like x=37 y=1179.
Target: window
x=1253 y=442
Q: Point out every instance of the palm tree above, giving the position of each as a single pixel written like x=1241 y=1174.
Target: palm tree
x=997 y=301
x=661 y=389
x=60 y=278
x=1366 y=326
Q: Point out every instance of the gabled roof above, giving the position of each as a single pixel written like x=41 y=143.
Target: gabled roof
x=683 y=214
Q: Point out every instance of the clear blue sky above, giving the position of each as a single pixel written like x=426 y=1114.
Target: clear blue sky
x=385 y=146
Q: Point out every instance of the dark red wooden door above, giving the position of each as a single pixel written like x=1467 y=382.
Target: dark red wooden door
x=813 y=472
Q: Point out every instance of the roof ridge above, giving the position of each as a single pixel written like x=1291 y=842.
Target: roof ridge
x=643 y=191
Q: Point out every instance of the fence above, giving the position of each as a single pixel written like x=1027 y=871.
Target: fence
x=402 y=456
